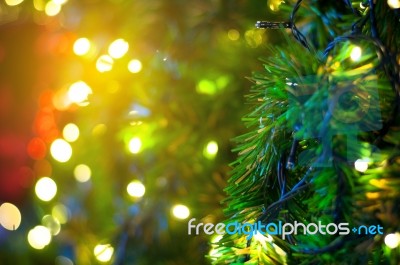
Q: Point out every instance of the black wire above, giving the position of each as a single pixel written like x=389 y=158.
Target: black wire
x=296 y=33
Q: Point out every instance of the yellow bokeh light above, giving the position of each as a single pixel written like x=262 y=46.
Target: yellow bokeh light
x=392 y=240
x=10 y=216
x=361 y=165
x=82 y=173
x=52 y=8
x=81 y=46
x=254 y=37
x=104 y=63
x=355 y=54
x=14 y=2
x=61 y=150
x=136 y=189
x=135 y=145
x=394 y=4
x=71 y=132
x=60 y=2
x=118 y=48
x=211 y=150
x=135 y=66
x=274 y=4
x=39 y=237
x=39 y=5
x=51 y=223
x=78 y=92
x=61 y=100
x=233 y=34
x=61 y=213
x=180 y=211
x=103 y=253
x=46 y=189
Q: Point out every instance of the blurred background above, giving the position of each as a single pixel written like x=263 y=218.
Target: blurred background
x=116 y=120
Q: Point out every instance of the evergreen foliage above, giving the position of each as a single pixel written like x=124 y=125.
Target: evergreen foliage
x=325 y=103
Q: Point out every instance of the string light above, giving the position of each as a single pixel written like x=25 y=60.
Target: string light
x=104 y=63
x=103 y=253
x=82 y=173
x=134 y=66
x=118 y=48
x=81 y=46
x=135 y=145
x=52 y=8
x=71 y=132
x=392 y=240
x=355 y=54
x=46 y=189
x=361 y=165
x=180 y=211
x=39 y=237
x=394 y=4
x=61 y=150
x=13 y=2
x=211 y=150
x=136 y=189
x=78 y=92
x=10 y=216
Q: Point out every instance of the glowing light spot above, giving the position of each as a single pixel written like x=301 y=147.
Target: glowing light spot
x=39 y=5
x=81 y=46
x=355 y=54
x=46 y=189
x=61 y=213
x=60 y=2
x=233 y=34
x=253 y=38
x=394 y=4
x=118 y=48
x=104 y=63
x=211 y=150
x=207 y=87
x=61 y=100
x=135 y=145
x=274 y=4
x=71 y=132
x=52 y=224
x=39 y=237
x=13 y=2
x=10 y=216
x=392 y=240
x=180 y=211
x=52 y=8
x=135 y=66
x=103 y=253
x=61 y=150
x=36 y=148
x=78 y=92
x=361 y=165
x=82 y=173
x=136 y=189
